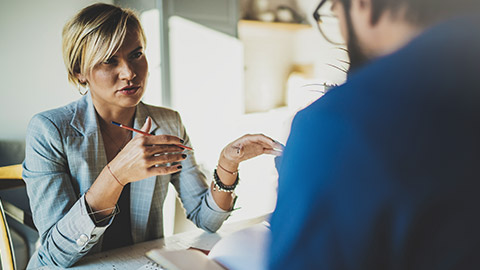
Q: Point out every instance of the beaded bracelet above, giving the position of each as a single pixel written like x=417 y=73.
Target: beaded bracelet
x=218 y=185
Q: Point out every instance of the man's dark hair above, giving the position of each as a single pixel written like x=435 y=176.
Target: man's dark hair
x=422 y=12
x=418 y=12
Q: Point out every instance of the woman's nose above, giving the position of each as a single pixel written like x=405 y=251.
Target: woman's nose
x=126 y=71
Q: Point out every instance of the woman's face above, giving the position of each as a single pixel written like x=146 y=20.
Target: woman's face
x=120 y=81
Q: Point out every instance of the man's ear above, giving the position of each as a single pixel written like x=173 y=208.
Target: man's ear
x=363 y=10
x=365 y=4
x=365 y=7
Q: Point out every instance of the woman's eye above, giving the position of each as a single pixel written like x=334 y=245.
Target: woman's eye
x=109 y=61
x=137 y=54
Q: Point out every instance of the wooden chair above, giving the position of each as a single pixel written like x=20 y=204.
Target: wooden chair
x=11 y=172
x=11 y=177
x=6 y=246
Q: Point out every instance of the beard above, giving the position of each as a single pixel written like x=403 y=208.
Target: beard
x=356 y=55
x=358 y=58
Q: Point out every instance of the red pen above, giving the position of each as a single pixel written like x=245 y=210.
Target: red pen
x=148 y=134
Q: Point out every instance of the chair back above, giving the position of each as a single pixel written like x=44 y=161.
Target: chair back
x=11 y=172
x=11 y=177
x=6 y=247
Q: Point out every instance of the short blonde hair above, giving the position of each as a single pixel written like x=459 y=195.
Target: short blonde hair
x=94 y=35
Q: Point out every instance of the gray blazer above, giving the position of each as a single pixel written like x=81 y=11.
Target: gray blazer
x=64 y=156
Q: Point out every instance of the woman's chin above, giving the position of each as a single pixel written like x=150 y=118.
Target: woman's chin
x=130 y=99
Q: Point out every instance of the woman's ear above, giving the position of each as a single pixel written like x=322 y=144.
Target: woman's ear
x=81 y=78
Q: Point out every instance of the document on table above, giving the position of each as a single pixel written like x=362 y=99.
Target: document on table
x=150 y=266
x=196 y=239
x=126 y=258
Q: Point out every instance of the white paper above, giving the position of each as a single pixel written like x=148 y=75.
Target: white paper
x=244 y=249
x=126 y=258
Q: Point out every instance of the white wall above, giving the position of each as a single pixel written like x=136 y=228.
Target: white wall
x=32 y=74
x=212 y=75
x=207 y=84
x=207 y=90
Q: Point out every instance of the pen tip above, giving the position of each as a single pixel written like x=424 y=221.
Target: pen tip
x=115 y=123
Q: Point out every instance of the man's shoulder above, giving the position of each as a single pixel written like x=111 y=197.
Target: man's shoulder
x=338 y=102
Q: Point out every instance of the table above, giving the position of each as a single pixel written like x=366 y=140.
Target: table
x=133 y=257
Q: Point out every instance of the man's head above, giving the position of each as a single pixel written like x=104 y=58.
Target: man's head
x=373 y=28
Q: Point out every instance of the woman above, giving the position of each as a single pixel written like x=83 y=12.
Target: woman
x=94 y=186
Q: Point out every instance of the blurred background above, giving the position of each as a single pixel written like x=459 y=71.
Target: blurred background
x=229 y=67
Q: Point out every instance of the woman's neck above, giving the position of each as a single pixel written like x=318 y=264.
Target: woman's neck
x=114 y=137
x=123 y=116
x=113 y=132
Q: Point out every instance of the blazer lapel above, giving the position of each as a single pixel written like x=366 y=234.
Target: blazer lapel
x=88 y=147
x=141 y=191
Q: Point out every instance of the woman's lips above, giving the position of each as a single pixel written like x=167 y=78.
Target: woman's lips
x=129 y=90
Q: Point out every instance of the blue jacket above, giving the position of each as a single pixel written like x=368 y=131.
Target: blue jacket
x=383 y=172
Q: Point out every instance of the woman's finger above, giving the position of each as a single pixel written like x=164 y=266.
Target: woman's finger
x=162 y=139
x=166 y=158
x=278 y=145
x=164 y=170
x=162 y=149
x=261 y=138
x=148 y=124
x=272 y=152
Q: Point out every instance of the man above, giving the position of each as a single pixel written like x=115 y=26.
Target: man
x=383 y=172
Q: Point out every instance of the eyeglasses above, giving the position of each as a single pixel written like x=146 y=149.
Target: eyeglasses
x=328 y=23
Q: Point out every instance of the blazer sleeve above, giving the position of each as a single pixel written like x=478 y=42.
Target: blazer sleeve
x=67 y=232
x=191 y=185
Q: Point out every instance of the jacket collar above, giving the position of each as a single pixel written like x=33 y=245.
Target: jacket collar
x=141 y=115
x=84 y=118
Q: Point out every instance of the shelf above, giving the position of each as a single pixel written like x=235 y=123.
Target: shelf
x=274 y=25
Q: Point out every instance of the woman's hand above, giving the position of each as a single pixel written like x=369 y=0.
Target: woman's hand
x=247 y=147
x=146 y=156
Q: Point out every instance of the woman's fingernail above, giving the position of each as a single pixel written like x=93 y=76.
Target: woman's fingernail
x=179 y=167
x=184 y=156
x=182 y=141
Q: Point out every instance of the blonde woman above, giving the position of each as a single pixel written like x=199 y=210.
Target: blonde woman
x=94 y=186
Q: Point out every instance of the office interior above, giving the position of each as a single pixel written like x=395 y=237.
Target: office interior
x=227 y=70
